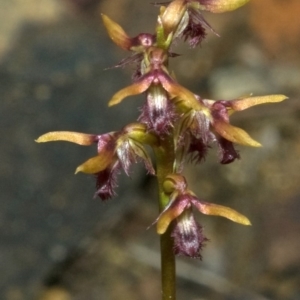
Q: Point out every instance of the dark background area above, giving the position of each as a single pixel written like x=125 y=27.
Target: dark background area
x=57 y=242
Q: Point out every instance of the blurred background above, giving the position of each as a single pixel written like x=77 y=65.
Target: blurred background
x=57 y=242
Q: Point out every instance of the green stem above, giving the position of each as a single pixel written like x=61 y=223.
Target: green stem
x=165 y=158
x=168 y=267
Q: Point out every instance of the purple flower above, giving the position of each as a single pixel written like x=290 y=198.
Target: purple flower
x=187 y=234
x=116 y=151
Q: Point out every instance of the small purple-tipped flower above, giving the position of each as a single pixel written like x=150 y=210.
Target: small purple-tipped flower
x=116 y=150
x=199 y=127
x=187 y=234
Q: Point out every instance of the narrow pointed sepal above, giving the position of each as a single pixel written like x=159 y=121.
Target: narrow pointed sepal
x=68 y=136
x=116 y=33
x=222 y=211
x=245 y=103
x=167 y=217
x=234 y=134
x=220 y=6
x=95 y=164
x=136 y=88
x=177 y=204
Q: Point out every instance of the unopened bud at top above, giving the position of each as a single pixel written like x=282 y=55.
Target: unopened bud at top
x=172 y=16
x=174 y=182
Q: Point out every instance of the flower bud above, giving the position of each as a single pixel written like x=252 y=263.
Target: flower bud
x=172 y=16
x=174 y=182
x=139 y=132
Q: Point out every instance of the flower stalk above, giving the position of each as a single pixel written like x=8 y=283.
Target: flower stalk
x=176 y=123
x=165 y=156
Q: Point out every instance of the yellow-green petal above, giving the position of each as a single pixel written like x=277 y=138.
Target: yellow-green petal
x=95 y=164
x=245 y=103
x=220 y=6
x=116 y=33
x=167 y=216
x=234 y=134
x=222 y=211
x=67 y=136
x=134 y=89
